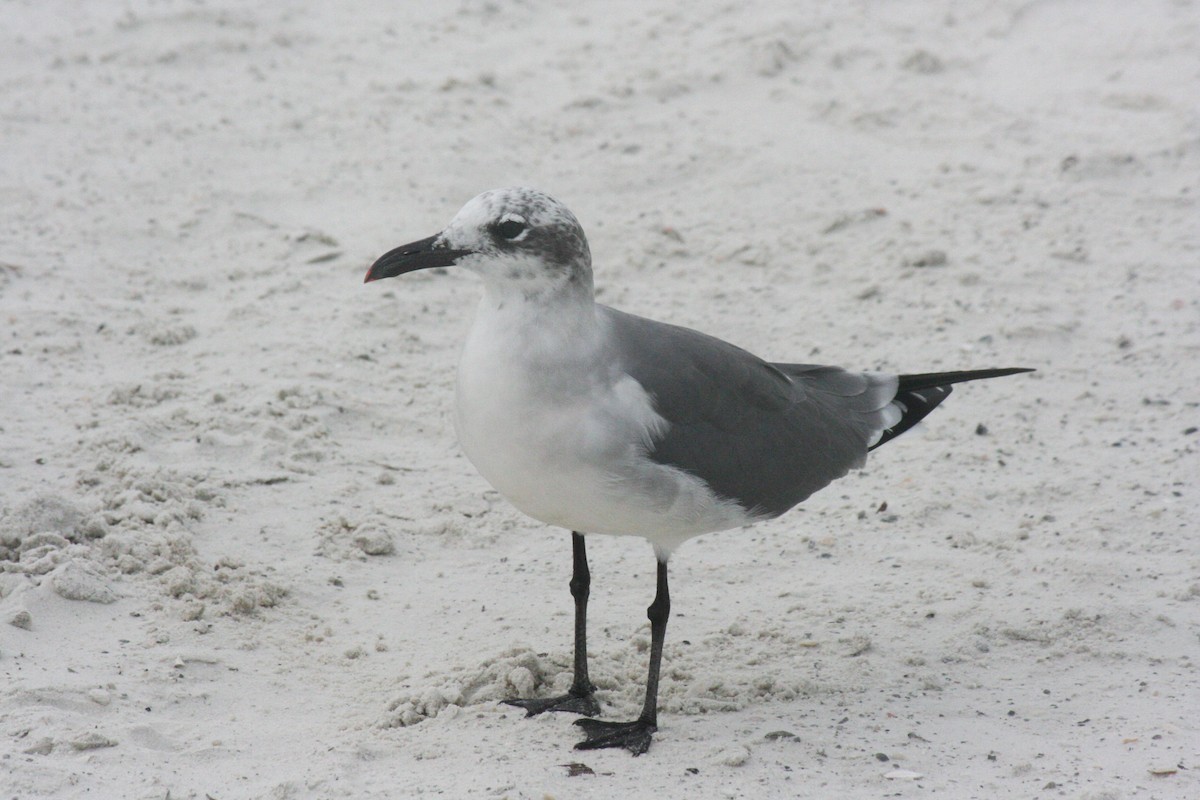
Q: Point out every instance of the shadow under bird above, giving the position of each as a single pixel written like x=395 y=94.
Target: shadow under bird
x=599 y=421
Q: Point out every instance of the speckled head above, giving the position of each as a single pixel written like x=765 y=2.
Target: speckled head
x=518 y=240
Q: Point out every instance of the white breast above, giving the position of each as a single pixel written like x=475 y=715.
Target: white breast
x=547 y=417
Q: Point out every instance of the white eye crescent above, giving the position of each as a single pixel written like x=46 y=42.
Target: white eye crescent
x=511 y=227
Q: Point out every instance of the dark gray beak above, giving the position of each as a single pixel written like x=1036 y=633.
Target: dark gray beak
x=412 y=257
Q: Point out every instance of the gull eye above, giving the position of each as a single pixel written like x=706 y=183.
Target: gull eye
x=510 y=228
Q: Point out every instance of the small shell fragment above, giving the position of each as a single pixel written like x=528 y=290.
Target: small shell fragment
x=903 y=775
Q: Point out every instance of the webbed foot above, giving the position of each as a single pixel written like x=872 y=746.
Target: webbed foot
x=572 y=702
x=633 y=736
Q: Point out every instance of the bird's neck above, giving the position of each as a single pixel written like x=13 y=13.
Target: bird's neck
x=535 y=297
x=538 y=325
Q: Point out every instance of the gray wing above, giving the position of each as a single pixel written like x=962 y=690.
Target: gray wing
x=763 y=435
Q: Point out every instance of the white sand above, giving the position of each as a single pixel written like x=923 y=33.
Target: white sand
x=242 y=554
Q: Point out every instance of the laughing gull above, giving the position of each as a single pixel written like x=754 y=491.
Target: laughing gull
x=599 y=421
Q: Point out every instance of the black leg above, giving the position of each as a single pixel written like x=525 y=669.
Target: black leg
x=581 y=588
x=635 y=736
x=581 y=697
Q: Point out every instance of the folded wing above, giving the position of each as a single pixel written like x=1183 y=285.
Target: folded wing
x=763 y=435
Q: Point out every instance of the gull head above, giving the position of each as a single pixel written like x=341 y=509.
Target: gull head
x=518 y=240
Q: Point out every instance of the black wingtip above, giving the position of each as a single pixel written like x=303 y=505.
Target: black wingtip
x=930 y=379
x=917 y=395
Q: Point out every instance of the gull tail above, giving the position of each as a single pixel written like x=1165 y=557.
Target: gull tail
x=917 y=395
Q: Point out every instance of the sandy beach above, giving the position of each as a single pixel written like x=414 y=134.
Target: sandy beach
x=242 y=555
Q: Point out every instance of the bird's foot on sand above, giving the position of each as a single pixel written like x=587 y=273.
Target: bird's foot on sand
x=572 y=702
x=633 y=736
